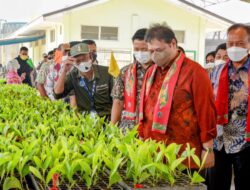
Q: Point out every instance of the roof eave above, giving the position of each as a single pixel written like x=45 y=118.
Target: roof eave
x=207 y=12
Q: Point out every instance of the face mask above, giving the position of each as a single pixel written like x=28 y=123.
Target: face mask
x=237 y=53
x=160 y=58
x=142 y=56
x=93 y=56
x=219 y=62
x=209 y=65
x=84 y=67
x=24 y=57
x=64 y=58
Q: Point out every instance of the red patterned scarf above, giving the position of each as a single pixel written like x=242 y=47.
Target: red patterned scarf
x=163 y=105
x=130 y=93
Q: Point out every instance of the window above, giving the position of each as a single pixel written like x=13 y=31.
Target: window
x=90 y=32
x=99 y=32
x=180 y=35
x=52 y=35
x=109 y=33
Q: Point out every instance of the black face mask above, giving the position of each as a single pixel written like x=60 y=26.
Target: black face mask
x=93 y=56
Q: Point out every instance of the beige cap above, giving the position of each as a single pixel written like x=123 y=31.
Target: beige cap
x=79 y=49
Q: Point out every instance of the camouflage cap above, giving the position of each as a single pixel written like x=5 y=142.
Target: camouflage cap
x=79 y=49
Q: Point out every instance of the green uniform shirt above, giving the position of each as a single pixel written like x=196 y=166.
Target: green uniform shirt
x=102 y=95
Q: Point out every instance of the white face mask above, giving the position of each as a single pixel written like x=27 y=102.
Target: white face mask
x=219 y=62
x=84 y=67
x=237 y=53
x=64 y=58
x=209 y=65
x=142 y=56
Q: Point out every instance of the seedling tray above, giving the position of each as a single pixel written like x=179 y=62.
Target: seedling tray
x=182 y=183
x=102 y=184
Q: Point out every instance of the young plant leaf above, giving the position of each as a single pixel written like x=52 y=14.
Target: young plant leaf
x=11 y=182
x=197 y=178
x=36 y=173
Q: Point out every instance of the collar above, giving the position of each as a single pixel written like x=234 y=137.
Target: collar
x=139 y=65
x=95 y=62
x=244 y=67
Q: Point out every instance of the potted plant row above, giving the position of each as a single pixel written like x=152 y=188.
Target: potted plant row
x=47 y=140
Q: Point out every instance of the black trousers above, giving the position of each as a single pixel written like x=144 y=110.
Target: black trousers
x=221 y=174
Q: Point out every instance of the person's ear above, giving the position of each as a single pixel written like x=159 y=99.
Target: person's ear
x=174 y=43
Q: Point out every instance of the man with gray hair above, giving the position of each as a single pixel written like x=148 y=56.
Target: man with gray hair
x=232 y=148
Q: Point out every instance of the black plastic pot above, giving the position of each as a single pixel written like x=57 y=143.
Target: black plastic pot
x=163 y=186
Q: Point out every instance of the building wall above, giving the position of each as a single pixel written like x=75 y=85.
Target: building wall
x=38 y=50
x=128 y=16
x=50 y=45
x=136 y=14
x=8 y=52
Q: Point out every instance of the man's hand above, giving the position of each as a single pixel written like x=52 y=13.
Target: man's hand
x=67 y=64
x=209 y=159
x=116 y=111
x=23 y=75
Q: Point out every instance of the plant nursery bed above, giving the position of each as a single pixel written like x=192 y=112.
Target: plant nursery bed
x=102 y=184
x=182 y=183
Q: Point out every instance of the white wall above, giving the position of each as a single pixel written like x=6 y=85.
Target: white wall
x=131 y=15
x=9 y=52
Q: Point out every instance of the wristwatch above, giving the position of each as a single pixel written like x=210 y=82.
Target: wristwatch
x=208 y=149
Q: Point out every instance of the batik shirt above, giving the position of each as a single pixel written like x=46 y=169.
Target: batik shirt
x=118 y=93
x=232 y=136
x=214 y=76
x=42 y=73
x=193 y=114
